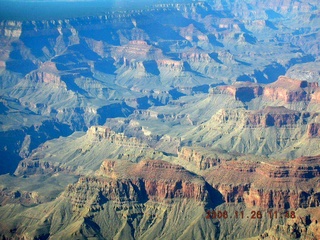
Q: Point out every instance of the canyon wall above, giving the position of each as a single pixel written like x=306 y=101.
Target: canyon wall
x=122 y=181
x=285 y=89
x=278 y=185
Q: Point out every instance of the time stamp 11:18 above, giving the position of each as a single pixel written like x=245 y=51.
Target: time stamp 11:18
x=213 y=214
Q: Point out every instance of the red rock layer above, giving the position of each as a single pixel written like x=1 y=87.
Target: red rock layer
x=280 y=185
x=268 y=117
x=243 y=91
x=123 y=181
x=274 y=116
x=302 y=168
x=285 y=89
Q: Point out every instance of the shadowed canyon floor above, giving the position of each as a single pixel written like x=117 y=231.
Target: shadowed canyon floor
x=184 y=120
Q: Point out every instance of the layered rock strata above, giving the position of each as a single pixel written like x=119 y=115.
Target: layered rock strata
x=25 y=198
x=122 y=181
x=100 y=132
x=285 y=89
x=280 y=117
x=281 y=185
x=36 y=167
x=201 y=158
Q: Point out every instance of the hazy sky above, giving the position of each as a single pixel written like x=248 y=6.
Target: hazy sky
x=58 y=9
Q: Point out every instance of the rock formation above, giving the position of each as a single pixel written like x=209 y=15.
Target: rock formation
x=285 y=89
x=278 y=185
x=193 y=106
x=314 y=130
x=24 y=198
x=99 y=133
x=149 y=180
x=202 y=158
x=275 y=116
x=36 y=167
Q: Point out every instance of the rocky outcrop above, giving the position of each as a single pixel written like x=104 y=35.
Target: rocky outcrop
x=275 y=116
x=201 y=158
x=34 y=167
x=279 y=117
x=316 y=96
x=162 y=180
x=47 y=73
x=313 y=130
x=153 y=57
x=290 y=90
x=100 y=132
x=302 y=168
x=167 y=117
x=136 y=52
x=242 y=91
x=287 y=185
x=11 y=29
x=285 y=89
x=304 y=226
x=122 y=181
x=25 y=198
x=279 y=185
x=172 y=65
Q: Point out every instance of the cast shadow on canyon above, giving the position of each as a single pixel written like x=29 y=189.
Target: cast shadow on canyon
x=215 y=197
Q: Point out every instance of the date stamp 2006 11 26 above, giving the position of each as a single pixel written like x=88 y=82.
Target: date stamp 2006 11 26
x=213 y=214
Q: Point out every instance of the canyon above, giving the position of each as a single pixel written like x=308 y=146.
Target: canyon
x=134 y=122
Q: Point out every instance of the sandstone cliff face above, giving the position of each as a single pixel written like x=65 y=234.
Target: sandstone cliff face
x=150 y=115
x=91 y=61
x=302 y=168
x=162 y=180
x=45 y=77
x=152 y=180
x=35 y=167
x=100 y=132
x=47 y=73
x=285 y=89
x=272 y=130
x=201 y=158
x=279 y=185
x=135 y=136
x=290 y=90
x=275 y=116
x=279 y=117
x=242 y=91
x=281 y=199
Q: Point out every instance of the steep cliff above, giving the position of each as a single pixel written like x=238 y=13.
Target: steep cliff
x=99 y=133
x=135 y=84
x=35 y=167
x=143 y=199
x=285 y=89
x=277 y=185
x=273 y=130
x=159 y=180
x=313 y=130
x=202 y=158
